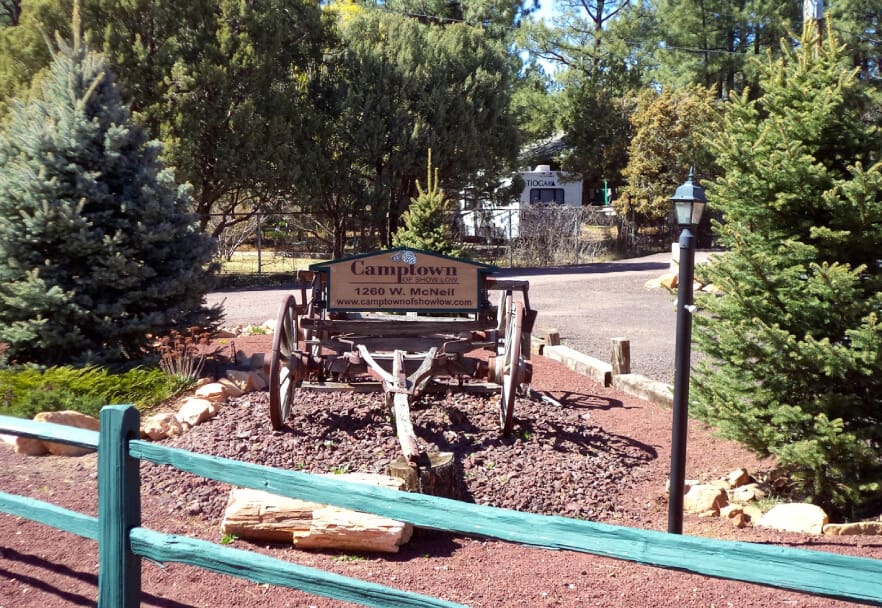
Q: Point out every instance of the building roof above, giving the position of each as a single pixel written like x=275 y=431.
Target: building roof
x=545 y=152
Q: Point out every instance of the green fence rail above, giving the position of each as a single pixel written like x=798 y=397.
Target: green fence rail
x=123 y=542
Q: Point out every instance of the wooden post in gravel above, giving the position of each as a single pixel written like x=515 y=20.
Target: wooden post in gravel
x=440 y=478
x=620 y=356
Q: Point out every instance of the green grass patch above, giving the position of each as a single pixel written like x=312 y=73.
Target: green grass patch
x=28 y=390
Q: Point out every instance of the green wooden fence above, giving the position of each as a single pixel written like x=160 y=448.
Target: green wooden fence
x=123 y=542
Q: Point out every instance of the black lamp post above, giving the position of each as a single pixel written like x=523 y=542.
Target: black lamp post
x=689 y=201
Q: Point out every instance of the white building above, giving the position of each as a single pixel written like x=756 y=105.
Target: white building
x=542 y=187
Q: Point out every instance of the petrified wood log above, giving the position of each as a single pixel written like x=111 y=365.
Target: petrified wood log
x=335 y=528
x=257 y=515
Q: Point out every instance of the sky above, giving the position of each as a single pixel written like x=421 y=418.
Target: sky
x=546 y=9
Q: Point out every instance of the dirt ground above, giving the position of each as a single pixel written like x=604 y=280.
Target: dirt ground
x=602 y=456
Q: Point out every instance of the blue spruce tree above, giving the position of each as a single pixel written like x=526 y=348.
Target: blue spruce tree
x=97 y=248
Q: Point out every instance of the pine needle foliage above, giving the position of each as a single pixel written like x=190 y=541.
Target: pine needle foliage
x=427 y=224
x=97 y=247
x=794 y=344
x=29 y=390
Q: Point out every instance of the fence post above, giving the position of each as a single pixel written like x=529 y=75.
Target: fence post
x=620 y=356
x=259 y=245
x=119 y=509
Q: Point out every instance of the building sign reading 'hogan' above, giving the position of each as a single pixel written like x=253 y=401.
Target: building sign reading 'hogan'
x=403 y=280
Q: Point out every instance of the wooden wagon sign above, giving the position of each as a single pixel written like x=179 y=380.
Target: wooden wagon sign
x=402 y=280
x=348 y=347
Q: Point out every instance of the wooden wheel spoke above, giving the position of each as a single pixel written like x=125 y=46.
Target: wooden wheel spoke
x=285 y=365
x=511 y=365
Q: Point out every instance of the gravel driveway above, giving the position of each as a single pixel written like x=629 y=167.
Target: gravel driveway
x=589 y=304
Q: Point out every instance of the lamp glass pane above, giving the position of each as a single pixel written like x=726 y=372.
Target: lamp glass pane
x=683 y=212
x=697 y=212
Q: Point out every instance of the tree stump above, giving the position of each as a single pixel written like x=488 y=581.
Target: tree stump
x=438 y=474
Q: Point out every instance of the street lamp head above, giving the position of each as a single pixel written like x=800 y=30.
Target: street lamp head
x=689 y=201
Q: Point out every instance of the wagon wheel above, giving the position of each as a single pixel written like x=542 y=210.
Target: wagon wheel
x=502 y=328
x=286 y=367
x=512 y=365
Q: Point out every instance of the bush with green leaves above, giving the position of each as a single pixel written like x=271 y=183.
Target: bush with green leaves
x=98 y=249
x=28 y=390
x=427 y=223
x=794 y=343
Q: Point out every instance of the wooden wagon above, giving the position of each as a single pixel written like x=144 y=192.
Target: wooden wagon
x=406 y=321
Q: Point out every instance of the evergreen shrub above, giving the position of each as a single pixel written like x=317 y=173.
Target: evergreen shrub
x=28 y=390
x=794 y=343
x=427 y=223
x=98 y=249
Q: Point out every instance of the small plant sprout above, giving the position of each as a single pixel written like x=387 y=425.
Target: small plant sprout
x=349 y=558
x=228 y=539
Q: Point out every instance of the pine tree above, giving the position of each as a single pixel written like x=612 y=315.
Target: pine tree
x=97 y=248
x=794 y=344
x=427 y=222
x=669 y=134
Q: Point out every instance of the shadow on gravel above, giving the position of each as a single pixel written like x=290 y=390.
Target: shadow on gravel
x=586 y=401
x=593 y=439
x=74 y=599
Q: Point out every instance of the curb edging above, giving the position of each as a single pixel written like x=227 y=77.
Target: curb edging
x=636 y=385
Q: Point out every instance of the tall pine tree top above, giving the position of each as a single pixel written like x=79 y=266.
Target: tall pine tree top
x=97 y=248
x=794 y=344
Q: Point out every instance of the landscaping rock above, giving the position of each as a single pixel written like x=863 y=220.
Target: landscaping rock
x=214 y=392
x=738 y=478
x=669 y=281
x=29 y=446
x=68 y=418
x=195 y=410
x=704 y=497
x=735 y=515
x=795 y=517
x=247 y=381
x=866 y=528
x=230 y=388
x=748 y=493
x=160 y=426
